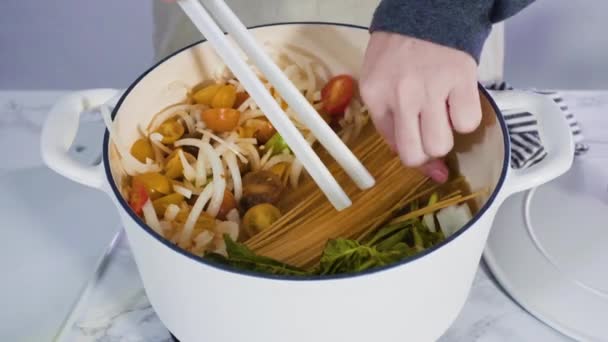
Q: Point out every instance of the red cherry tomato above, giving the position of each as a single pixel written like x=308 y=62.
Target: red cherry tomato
x=337 y=93
x=138 y=197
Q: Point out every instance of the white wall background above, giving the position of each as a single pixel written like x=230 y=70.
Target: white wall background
x=69 y=44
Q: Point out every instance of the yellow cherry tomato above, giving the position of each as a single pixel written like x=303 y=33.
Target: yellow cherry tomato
x=171 y=131
x=173 y=167
x=206 y=94
x=225 y=97
x=155 y=183
x=161 y=204
x=142 y=149
x=221 y=119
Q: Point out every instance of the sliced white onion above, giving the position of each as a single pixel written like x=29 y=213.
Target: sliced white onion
x=203 y=239
x=235 y=174
x=192 y=188
x=219 y=180
x=311 y=82
x=452 y=218
x=150 y=217
x=233 y=216
x=281 y=158
x=292 y=71
x=321 y=72
x=170 y=112
x=222 y=74
x=316 y=96
x=250 y=114
x=171 y=212
x=228 y=144
x=246 y=104
x=201 y=168
x=158 y=154
x=156 y=139
x=182 y=190
x=194 y=214
x=254 y=156
x=429 y=221
x=200 y=125
x=227 y=227
x=189 y=172
x=165 y=226
x=266 y=157
x=294 y=173
x=220 y=246
x=188 y=120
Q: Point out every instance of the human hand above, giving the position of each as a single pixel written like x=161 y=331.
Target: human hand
x=417 y=92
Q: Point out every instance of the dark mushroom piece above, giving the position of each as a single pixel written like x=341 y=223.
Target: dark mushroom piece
x=260 y=187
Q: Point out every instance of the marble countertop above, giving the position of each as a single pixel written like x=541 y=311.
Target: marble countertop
x=112 y=305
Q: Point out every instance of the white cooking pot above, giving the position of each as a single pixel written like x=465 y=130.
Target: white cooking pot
x=413 y=300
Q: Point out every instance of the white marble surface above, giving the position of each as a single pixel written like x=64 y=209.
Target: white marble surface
x=114 y=307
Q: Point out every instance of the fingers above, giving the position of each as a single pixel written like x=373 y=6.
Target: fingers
x=464 y=107
x=436 y=170
x=407 y=131
x=379 y=111
x=436 y=132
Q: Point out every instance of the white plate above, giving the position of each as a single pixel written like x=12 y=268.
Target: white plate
x=549 y=249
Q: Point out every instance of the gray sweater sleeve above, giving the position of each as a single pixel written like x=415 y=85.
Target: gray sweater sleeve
x=460 y=24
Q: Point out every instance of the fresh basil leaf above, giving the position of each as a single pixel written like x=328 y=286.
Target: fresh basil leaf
x=398 y=252
x=338 y=255
x=240 y=256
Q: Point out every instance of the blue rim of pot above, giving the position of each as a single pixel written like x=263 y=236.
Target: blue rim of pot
x=228 y=268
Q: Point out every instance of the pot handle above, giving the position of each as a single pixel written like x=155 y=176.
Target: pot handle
x=59 y=132
x=555 y=133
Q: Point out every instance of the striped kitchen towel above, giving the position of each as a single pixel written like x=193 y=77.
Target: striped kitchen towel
x=526 y=146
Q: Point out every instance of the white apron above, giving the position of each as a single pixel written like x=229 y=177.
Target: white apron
x=173 y=29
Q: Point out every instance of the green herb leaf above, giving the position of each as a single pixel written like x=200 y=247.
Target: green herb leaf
x=348 y=256
x=241 y=257
x=277 y=143
x=387 y=231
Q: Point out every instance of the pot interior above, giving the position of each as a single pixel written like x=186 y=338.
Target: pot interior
x=479 y=156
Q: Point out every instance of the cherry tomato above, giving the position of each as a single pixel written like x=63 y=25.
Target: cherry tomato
x=156 y=184
x=225 y=97
x=221 y=119
x=161 y=204
x=138 y=196
x=171 y=131
x=337 y=93
x=142 y=150
x=206 y=94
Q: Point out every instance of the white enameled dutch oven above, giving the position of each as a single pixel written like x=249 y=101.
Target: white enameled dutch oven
x=413 y=300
